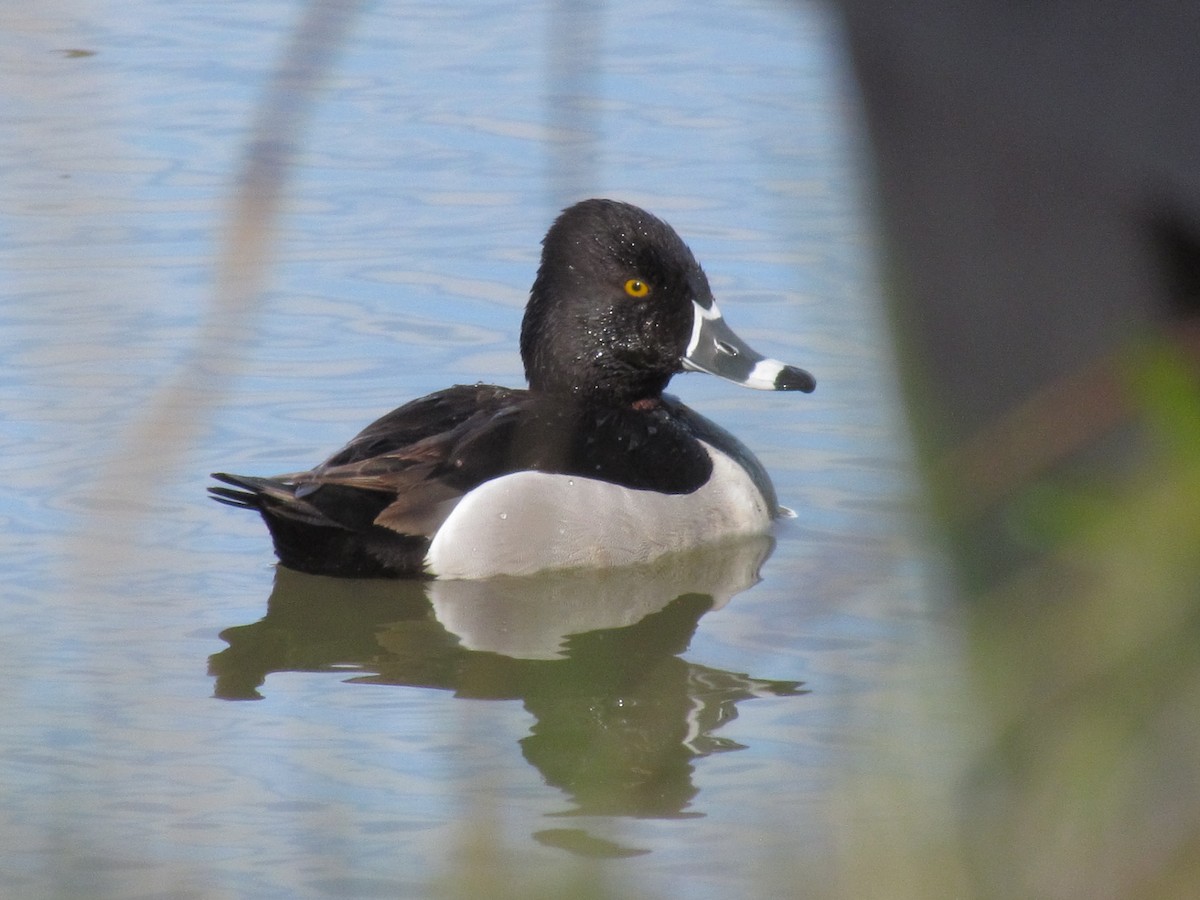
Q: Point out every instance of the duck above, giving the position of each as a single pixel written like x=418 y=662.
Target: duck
x=592 y=465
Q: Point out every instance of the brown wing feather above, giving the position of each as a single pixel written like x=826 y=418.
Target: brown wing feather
x=415 y=473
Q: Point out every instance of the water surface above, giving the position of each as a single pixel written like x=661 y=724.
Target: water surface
x=182 y=720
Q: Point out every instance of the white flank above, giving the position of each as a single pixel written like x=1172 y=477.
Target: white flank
x=529 y=521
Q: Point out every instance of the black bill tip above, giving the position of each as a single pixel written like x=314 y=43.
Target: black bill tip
x=791 y=378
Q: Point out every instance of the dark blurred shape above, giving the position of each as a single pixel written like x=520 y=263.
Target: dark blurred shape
x=1039 y=171
x=1177 y=240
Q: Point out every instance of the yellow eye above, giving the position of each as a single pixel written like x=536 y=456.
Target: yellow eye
x=635 y=287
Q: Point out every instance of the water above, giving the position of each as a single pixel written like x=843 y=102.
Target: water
x=400 y=741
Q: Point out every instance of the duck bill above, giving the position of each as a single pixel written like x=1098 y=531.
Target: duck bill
x=715 y=349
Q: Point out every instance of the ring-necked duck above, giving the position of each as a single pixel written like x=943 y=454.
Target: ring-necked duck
x=591 y=466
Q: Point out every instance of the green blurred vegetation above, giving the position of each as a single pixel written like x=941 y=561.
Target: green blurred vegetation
x=1087 y=667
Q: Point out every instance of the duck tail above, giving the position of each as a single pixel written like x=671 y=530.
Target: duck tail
x=252 y=496
x=241 y=499
x=272 y=497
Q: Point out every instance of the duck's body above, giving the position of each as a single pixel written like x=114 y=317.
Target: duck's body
x=592 y=465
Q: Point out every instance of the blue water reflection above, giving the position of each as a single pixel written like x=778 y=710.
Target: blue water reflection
x=441 y=146
x=594 y=657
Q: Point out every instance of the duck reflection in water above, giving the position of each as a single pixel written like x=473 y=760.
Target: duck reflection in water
x=593 y=655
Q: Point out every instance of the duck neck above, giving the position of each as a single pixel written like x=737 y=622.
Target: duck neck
x=599 y=395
